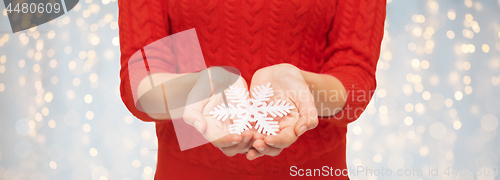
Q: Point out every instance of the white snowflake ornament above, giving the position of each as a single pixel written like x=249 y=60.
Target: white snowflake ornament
x=254 y=109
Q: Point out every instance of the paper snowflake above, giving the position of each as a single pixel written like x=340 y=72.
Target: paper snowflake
x=254 y=109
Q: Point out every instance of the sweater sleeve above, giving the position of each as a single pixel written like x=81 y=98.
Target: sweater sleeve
x=141 y=22
x=353 y=51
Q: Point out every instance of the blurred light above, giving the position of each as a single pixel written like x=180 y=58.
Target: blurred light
x=93 y=77
x=478 y=6
x=70 y=94
x=467 y=80
x=36 y=68
x=474 y=109
x=468 y=17
x=22 y=63
x=417 y=79
x=82 y=54
x=420 y=129
x=128 y=119
x=45 y=111
x=424 y=64
x=22 y=81
x=53 y=63
x=465 y=48
x=433 y=5
x=407 y=89
x=54 y=80
x=434 y=80
x=453 y=113
x=93 y=152
x=471 y=48
x=409 y=107
x=144 y=151
x=419 y=107
x=454 y=77
x=424 y=151
x=381 y=93
x=489 y=122
x=468 y=90
x=451 y=14
x=76 y=82
x=466 y=65
x=426 y=95
x=52 y=165
x=458 y=95
x=377 y=158
x=38 y=117
x=148 y=170
x=136 y=163
x=410 y=134
x=417 y=31
x=86 y=13
x=457 y=125
x=419 y=88
x=408 y=121
x=449 y=155
x=116 y=41
x=72 y=65
x=52 y=124
x=68 y=49
x=415 y=63
x=486 y=48
x=356 y=130
x=86 y=128
x=89 y=115
x=494 y=81
x=95 y=40
x=88 y=98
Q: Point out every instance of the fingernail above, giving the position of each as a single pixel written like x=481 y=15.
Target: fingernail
x=270 y=144
x=197 y=125
x=234 y=142
x=260 y=149
x=302 y=130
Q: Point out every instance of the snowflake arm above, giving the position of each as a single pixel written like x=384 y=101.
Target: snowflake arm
x=266 y=125
x=262 y=93
x=237 y=95
x=221 y=112
x=239 y=125
x=279 y=108
x=252 y=110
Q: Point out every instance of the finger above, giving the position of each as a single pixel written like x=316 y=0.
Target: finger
x=227 y=140
x=253 y=154
x=241 y=147
x=196 y=101
x=194 y=117
x=265 y=149
x=283 y=140
x=308 y=114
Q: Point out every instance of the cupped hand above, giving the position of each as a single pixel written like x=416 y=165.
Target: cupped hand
x=196 y=113
x=289 y=85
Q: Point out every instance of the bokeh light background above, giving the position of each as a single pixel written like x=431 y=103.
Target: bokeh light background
x=437 y=102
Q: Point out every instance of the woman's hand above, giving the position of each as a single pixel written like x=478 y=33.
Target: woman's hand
x=289 y=85
x=196 y=113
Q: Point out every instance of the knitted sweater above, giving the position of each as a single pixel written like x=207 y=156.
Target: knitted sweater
x=336 y=37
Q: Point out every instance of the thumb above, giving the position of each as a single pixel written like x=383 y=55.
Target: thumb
x=308 y=117
x=195 y=118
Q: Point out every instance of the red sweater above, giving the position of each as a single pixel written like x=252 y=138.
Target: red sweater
x=336 y=37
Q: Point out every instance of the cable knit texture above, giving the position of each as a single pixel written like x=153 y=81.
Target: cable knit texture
x=336 y=37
